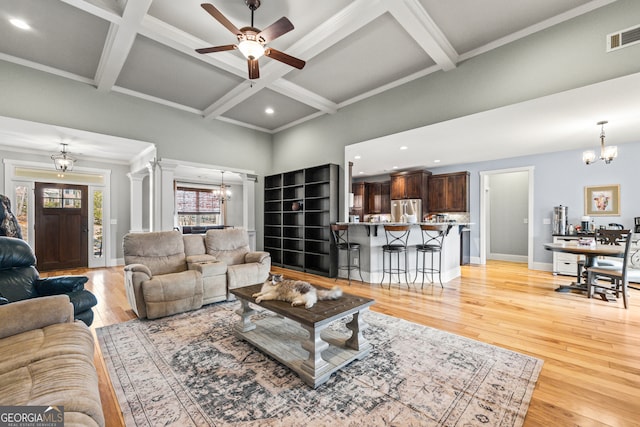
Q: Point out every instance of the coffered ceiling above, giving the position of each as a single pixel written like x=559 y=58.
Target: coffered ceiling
x=353 y=49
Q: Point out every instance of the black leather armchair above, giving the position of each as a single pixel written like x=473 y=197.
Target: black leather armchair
x=19 y=280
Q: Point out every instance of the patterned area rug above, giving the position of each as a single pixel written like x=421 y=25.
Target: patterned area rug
x=190 y=370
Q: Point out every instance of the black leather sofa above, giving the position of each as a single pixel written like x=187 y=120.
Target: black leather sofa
x=20 y=280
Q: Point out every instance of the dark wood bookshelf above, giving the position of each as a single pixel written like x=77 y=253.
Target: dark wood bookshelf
x=299 y=206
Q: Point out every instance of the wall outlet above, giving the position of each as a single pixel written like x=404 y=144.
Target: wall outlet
x=546 y=221
x=356 y=261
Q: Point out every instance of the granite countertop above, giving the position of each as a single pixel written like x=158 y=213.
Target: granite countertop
x=407 y=223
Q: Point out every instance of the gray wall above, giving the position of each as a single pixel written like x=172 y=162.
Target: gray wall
x=560 y=58
x=509 y=201
x=559 y=179
x=33 y=95
x=120 y=190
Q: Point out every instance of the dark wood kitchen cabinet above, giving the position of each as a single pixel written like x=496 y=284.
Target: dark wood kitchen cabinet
x=449 y=192
x=410 y=185
x=359 y=203
x=378 y=199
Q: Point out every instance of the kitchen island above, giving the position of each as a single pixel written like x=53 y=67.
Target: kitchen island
x=371 y=237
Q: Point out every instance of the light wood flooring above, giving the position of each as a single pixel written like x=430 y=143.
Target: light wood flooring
x=590 y=348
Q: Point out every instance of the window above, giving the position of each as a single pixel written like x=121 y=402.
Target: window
x=58 y=198
x=197 y=206
x=97 y=224
x=21 y=209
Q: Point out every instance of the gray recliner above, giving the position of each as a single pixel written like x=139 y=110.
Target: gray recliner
x=168 y=273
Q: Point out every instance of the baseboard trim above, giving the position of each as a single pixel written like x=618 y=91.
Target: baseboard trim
x=508 y=257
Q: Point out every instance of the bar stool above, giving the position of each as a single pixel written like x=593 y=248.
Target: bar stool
x=341 y=237
x=432 y=243
x=397 y=237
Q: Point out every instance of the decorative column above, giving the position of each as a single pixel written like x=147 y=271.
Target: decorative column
x=249 y=201
x=153 y=196
x=136 y=195
x=167 y=204
x=249 y=207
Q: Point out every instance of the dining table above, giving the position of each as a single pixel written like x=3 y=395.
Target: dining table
x=591 y=252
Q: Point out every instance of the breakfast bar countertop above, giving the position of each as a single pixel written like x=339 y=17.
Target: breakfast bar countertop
x=371 y=237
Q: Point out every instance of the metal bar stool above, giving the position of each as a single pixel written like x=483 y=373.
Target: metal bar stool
x=341 y=238
x=397 y=237
x=432 y=243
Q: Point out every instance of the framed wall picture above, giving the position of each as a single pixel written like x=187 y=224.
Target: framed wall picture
x=602 y=200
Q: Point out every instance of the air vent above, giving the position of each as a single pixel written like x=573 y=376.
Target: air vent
x=623 y=38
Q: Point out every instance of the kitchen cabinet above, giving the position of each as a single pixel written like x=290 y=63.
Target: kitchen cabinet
x=378 y=199
x=565 y=263
x=449 y=192
x=358 y=190
x=299 y=206
x=409 y=185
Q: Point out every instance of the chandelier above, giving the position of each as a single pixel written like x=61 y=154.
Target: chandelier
x=224 y=192
x=63 y=162
x=607 y=154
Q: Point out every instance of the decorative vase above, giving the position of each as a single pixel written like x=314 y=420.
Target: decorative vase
x=296 y=206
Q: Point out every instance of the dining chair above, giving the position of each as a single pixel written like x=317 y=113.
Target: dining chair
x=605 y=237
x=618 y=276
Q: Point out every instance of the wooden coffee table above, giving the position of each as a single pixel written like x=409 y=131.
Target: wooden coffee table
x=299 y=339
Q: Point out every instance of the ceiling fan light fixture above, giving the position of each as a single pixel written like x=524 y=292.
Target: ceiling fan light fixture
x=251 y=49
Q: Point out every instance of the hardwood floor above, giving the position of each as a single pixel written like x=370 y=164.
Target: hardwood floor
x=590 y=348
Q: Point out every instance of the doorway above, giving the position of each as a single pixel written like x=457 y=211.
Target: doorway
x=490 y=214
x=61 y=226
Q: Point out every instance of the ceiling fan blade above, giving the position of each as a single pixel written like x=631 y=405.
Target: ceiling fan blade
x=217 y=48
x=254 y=71
x=220 y=18
x=275 y=30
x=283 y=57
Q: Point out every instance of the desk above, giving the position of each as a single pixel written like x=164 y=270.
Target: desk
x=590 y=253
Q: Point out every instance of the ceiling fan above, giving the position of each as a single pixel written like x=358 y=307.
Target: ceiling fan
x=252 y=41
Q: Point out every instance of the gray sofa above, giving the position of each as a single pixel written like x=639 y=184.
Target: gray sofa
x=167 y=272
x=47 y=359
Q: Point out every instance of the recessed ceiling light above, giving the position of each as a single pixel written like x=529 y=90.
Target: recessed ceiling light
x=20 y=24
x=360 y=172
x=357 y=157
x=404 y=147
x=269 y=110
x=436 y=161
x=395 y=167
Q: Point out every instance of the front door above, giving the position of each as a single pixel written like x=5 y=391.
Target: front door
x=61 y=226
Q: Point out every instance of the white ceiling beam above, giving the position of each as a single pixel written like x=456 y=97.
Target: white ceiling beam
x=417 y=22
x=340 y=26
x=353 y=17
x=106 y=11
x=181 y=41
x=294 y=91
x=119 y=42
x=45 y=68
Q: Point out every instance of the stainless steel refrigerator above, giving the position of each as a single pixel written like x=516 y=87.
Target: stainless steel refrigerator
x=406 y=210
